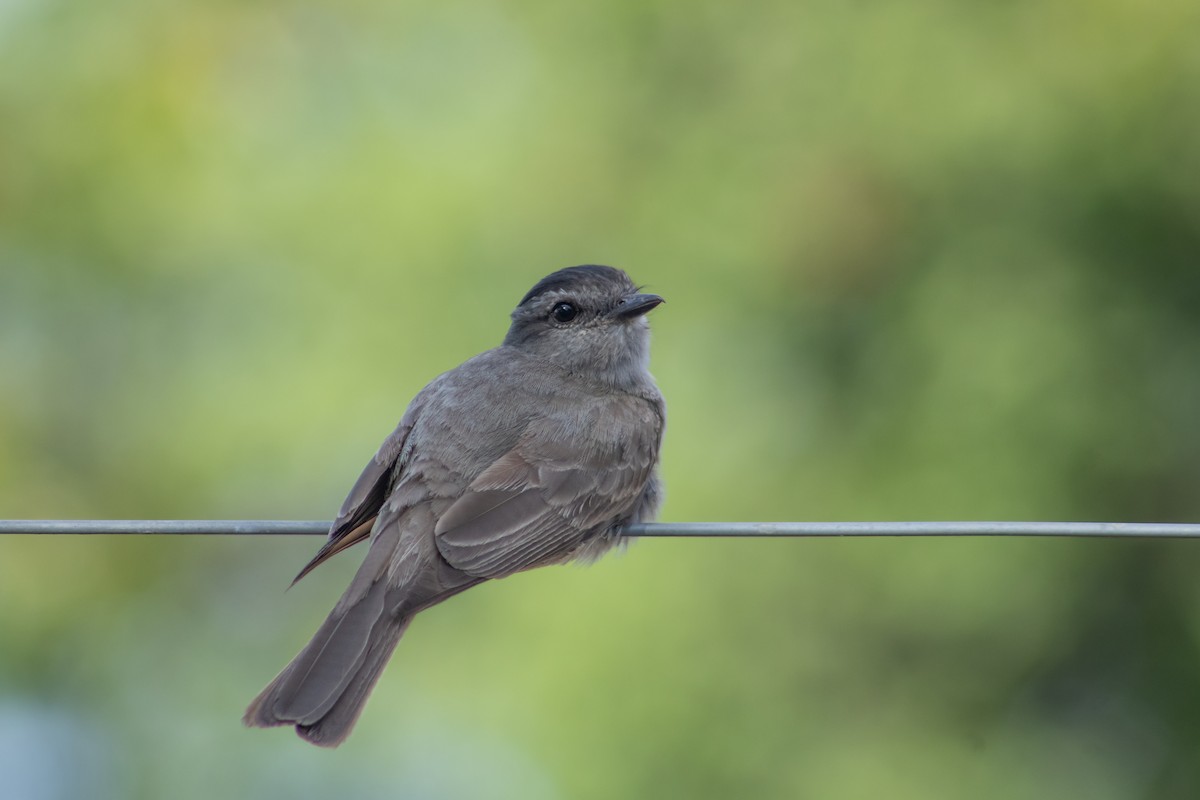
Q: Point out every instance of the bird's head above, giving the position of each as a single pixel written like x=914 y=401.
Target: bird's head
x=589 y=320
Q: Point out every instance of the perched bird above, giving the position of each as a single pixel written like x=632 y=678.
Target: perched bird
x=536 y=452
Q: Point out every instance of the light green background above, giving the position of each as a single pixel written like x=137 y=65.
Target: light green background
x=923 y=260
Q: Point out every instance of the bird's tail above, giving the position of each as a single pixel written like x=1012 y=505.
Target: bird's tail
x=323 y=690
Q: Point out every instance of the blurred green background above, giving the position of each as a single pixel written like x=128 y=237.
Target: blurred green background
x=923 y=260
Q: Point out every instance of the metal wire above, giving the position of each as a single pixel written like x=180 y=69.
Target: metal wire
x=277 y=527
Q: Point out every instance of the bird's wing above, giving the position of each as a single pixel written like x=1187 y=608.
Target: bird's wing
x=357 y=516
x=540 y=501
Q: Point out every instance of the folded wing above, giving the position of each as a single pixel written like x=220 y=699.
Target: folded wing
x=356 y=518
x=544 y=499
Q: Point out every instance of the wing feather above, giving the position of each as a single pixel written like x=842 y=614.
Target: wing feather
x=543 y=500
x=356 y=518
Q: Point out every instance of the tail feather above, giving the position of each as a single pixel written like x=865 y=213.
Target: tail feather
x=338 y=719
x=326 y=685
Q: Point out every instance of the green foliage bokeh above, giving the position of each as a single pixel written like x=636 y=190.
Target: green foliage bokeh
x=926 y=260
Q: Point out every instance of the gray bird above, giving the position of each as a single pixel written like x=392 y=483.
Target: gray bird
x=536 y=452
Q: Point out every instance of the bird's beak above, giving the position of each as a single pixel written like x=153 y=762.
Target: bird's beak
x=635 y=305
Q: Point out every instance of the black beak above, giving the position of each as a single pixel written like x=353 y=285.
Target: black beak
x=635 y=305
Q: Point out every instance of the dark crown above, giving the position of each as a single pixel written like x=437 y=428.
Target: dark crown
x=586 y=275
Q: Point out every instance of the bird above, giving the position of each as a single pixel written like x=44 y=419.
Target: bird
x=536 y=452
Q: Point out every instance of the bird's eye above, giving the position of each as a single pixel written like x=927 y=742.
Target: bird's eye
x=563 y=312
